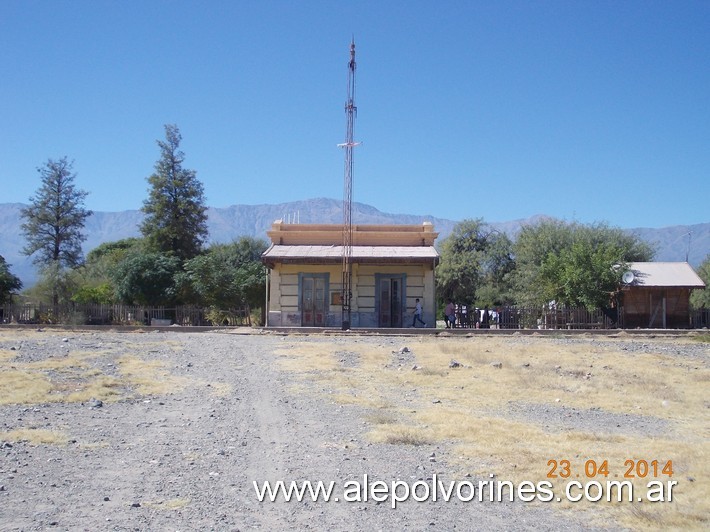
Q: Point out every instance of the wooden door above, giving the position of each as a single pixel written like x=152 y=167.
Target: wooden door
x=390 y=297
x=313 y=302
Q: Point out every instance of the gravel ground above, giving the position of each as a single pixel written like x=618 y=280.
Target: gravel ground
x=562 y=418
x=555 y=418
x=187 y=461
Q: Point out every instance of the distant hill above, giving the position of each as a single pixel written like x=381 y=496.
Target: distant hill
x=226 y=224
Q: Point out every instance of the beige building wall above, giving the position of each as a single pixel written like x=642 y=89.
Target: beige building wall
x=284 y=305
x=407 y=269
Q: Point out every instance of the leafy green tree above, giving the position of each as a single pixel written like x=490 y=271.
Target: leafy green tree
x=573 y=264
x=94 y=278
x=476 y=262
x=101 y=293
x=228 y=275
x=55 y=286
x=108 y=253
x=176 y=219
x=533 y=245
x=583 y=275
x=701 y=298
x=54 y=220
x=146 y=278
x=497 y=266
x=9 y=283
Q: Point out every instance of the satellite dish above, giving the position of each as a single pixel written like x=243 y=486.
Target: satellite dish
x=628 y=277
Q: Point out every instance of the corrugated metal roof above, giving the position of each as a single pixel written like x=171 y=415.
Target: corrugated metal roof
x=679 y=274
x=281 y=252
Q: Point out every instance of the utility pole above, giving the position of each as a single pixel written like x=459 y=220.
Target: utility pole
x=348 y=145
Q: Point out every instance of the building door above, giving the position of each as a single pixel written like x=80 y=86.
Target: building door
x=658 y=311
x=313 y=295
x=390 y=292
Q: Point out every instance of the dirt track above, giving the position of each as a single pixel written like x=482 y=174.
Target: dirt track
x=187 y=460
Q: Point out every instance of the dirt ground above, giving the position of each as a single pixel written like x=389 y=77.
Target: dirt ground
x=169 y=430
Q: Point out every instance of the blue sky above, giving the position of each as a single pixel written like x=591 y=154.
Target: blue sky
x=588 y=111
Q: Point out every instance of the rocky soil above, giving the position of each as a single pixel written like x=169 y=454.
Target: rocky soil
x=187 y=460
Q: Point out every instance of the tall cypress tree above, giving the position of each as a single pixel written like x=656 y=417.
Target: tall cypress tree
x=176 y=219
x=54 y=220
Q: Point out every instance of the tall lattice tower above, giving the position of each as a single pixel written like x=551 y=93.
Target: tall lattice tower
x=348 y=145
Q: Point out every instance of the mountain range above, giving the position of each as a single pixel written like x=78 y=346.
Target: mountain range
x=225 y=224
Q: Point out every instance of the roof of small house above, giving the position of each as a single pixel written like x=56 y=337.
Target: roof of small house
x=665 y=274
x=361 y=254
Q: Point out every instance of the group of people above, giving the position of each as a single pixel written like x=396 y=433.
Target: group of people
x=480 y=319
x=453 y=314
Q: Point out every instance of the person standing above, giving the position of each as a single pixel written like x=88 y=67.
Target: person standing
x=450 y=314
x=418 y=314
x=486 y=319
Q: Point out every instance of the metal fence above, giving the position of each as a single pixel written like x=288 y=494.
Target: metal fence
x=189 y=315
x=700 y=318
x=562 y=318
x=538 y=318
x=95 y=314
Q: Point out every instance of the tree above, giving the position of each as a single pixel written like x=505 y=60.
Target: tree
x=228 y=275
x=700 y=299
x=54 y=220
x=584 y=274
x=497 y=266
x=55 y=286
x=146 y=278
x=532 y=247
x=9 y=283
x=176 y=219
x=55 y=217
x=475 y=261
x=108 y=253
x=94 y=278
x=573 y=264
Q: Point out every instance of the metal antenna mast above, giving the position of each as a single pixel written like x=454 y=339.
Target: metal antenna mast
x=349 y=144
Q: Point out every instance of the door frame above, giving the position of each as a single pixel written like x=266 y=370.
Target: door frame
x=403 y=295
x=326 y=291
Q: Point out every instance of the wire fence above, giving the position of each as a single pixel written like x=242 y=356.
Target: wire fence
x=558 y=318
x=191 y=315
x=96 y=314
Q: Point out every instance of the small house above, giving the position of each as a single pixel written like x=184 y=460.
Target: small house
x=657 y=295
x=392 y=266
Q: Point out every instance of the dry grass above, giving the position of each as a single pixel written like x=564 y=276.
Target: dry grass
x=77 y=376
x=35 y=436
x=192 y=456
x=469 y=407
x=705 y=337
x=317 y=362
x=149 y=377
x=101 y=387
x=58 y=377
x=7 y=355
x=20 y=386
x=381 y=417
x=217 y=389
x=397 y=434
x=93 y=446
